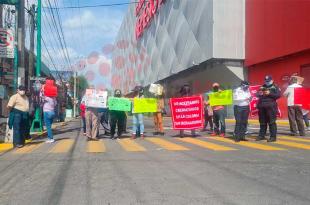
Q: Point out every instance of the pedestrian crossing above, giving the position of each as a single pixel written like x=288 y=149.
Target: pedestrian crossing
x=173 y=144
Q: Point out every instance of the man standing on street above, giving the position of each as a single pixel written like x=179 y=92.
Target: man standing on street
x=267 y=109
x=18 y=106
x=218 y=115
x=294 y=111
x=242 y=98
x=117 y=118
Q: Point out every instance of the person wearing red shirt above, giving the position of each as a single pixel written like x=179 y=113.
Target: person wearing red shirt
x=82 y=113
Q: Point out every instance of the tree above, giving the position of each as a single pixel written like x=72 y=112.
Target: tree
x=81 y=83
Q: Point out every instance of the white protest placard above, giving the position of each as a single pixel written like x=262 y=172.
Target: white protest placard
x=96 y=98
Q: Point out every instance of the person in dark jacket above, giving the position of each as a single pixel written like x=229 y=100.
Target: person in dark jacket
x=117 y=118
x=267 y=109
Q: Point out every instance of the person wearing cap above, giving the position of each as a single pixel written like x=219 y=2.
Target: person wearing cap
x=117 y=118
x=242 y=98
x=295 y=115
x=186 y=92
x=18 y=107
x=267 y=109
x=218 y=115
x=138 y=122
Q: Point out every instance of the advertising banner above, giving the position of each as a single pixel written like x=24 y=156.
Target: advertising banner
x=253 y=104
x=187 y=113
x=119 y=104
x=144 y=105
x=302 y=97
x=224 y=97
x=6 y=43
x=96 y=98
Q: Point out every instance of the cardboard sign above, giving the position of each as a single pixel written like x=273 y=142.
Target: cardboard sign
x=302 y=97
x=224 y=97
x=144 y=105
x=96 y=99
x=119 y=104
x=156 y=89
x=187 y=113
x=253 y=104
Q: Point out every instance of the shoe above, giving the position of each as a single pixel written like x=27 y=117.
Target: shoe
x=260 y=138
x=293 y=134
x=222 y=135
x=213 y=134
x=156 y=133
x=50 y=141
x=244 y=140
x=237 y=140
x=133 y=136
x=162 y=133
x=19 y=146
x=272 y=140
x=84 y=134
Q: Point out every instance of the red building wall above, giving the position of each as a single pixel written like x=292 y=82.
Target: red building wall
x=277 y=41
x=276 y=28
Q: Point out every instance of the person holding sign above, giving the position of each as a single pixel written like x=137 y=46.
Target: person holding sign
x=218 y=114
x=186 y=92
x=267 y=109
x=117 y=117
x=158 y=116
x=294 y=111
x=138 y=124
x=242 y=98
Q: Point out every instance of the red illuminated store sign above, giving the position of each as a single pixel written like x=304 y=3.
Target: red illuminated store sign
x=145 y=12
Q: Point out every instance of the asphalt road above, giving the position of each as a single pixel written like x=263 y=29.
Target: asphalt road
x=156 y=170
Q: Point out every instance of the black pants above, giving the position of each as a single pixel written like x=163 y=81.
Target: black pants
x=268 y=116
x=117 y=118
x=20 y=127
x=84 y=124
x=241 y=115
x=219 y=121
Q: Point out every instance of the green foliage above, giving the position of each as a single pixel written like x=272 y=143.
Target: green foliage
x=82 y=85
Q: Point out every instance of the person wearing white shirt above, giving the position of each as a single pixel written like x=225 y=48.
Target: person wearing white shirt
x=242 y=98
x=294 y=111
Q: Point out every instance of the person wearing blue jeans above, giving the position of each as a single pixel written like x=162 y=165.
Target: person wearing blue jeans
x=137 y=118
x=48 y=119
x=48 y=115
x=137 y=123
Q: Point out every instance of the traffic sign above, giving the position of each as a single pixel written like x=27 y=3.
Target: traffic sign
x=6 y=43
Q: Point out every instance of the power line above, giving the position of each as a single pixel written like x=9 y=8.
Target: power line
x=93 y=6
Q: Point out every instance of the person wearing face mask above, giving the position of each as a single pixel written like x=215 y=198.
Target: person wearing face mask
x=117 y=118
x=18 y=106
x=218 y=115
x=138 y=122
x=242 y=98
x=267 y=109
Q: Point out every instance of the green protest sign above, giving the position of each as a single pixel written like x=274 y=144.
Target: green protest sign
x=145 y=105
x=221 y=98
x=119 y=104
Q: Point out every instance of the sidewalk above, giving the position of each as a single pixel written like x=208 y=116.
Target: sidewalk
x=4 y=147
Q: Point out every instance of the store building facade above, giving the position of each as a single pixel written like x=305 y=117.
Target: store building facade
x=178 y=42
x=278 y=42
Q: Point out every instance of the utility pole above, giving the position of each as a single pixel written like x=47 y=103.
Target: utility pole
x=21 y=41
x=38 y=66
x=74 y=95
x=32 y=12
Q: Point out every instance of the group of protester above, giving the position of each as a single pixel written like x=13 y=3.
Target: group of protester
x=267 y=95
x=19 y=118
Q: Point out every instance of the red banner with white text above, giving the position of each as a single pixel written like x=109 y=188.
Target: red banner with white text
x=302 y=97
x=187 y=113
